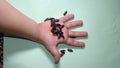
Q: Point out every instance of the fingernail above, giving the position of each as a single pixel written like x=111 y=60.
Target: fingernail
x=82 y=44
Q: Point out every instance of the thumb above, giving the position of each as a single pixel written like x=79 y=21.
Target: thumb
x=55 y=53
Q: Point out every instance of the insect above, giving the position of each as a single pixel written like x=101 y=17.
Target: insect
x=56 y=28
x=69 y=50
x=56 y=20
x=62 y=53
x=65 y=13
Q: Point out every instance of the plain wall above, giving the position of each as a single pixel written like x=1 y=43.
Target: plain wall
x=101 y=20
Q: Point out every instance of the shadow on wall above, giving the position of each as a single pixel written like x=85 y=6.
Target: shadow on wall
x=22 y=44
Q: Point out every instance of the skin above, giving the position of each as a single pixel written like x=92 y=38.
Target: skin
x=15 y=23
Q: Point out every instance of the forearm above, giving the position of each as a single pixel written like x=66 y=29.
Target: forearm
x=15 y=23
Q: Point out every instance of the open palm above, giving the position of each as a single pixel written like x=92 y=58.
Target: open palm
x=51 y=41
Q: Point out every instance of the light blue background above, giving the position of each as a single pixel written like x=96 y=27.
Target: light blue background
x=101 y=20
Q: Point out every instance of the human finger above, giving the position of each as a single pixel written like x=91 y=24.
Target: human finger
x=75 y=43
x=55 y=53
x=74 y=23
x=78 y=34
x=67 y=17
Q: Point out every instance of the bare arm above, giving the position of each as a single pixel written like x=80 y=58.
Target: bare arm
x=15 y=23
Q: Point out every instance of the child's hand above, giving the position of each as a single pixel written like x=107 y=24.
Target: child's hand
x=50 y=41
